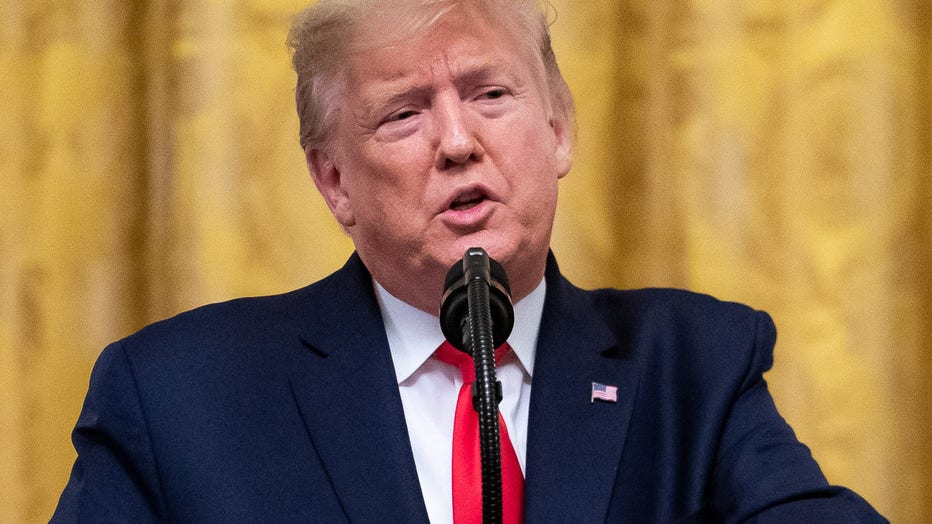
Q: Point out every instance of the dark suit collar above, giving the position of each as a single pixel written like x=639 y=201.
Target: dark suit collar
x=574 y=445
x=344 y=384
x=342 y=311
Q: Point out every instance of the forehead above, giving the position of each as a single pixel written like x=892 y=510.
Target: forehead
x=401 y=40
x=388 y=22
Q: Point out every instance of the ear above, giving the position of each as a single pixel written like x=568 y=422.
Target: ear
x=329 y=182
x=563 y=144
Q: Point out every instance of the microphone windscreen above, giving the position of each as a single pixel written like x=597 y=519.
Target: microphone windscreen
x=454 y=307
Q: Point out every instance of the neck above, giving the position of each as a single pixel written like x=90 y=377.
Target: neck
x=424 y=289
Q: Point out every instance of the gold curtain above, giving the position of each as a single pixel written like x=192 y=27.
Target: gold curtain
x=775 y=153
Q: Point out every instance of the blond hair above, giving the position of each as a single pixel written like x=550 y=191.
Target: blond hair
x=322 y=36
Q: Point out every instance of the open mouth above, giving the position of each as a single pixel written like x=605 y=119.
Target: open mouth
x=467 y=200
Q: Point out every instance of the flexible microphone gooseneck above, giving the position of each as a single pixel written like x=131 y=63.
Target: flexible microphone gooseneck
x=476 y=316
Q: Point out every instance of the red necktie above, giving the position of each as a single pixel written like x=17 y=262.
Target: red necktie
x=467 y=461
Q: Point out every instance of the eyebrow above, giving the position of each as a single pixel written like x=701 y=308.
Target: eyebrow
x=389 y=97
x=477 y=73
x=467 y=75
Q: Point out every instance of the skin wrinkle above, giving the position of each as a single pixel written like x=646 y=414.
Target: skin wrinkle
x=318 y=60
x=400 y=87
x=392 y=24
x=479 y=124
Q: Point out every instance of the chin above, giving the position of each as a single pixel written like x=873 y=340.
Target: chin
x=494 y=247
x=505 y=249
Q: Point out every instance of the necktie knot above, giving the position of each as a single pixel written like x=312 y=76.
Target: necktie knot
x=462 y=360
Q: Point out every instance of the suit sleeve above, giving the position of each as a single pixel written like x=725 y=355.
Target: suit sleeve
x=115 y=478
x=763 y=473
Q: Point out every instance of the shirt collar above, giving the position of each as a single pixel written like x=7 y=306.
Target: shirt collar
x=414 y=335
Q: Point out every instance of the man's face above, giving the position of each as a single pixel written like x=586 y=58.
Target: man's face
x=444 y=141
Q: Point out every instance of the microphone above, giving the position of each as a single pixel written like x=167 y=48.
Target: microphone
x=476 y=316
x=476 y=265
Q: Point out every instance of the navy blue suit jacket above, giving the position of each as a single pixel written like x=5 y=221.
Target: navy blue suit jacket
x=286 y=409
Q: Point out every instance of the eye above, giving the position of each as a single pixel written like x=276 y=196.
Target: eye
x=493 y=93
x=400 y=123
x=403 y=115
x=400 y=115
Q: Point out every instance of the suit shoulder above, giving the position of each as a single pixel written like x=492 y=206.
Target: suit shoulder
x=236 y=318
x=677 y=306
x=691 y=325
x=666 y=298
x=264 y=317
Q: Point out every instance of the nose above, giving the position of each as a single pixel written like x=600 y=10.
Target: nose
x=457 y=140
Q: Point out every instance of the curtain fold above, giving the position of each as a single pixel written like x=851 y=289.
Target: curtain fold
x=773 y=153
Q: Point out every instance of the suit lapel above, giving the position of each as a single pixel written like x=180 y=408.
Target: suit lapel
x=574 y=445
x=344 y=383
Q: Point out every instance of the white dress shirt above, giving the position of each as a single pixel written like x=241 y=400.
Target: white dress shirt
x=429 y=389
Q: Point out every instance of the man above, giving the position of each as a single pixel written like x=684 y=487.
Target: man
x=430 y=127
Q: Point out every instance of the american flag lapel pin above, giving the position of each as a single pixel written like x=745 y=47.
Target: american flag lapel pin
x=603 y=392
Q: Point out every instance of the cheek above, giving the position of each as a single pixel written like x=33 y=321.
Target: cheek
x=536 y=187
x=534 y=166
x=391 y=200
x=536 y=145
